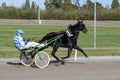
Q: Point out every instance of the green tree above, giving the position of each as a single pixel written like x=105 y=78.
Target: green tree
x=4 y=4
x=68 y=1
x=90 y=5
x=115 y=4
x=68 y=6
x=53 y=3
x=33 y=5
x=98 y=5
x=57 y=3
x=27 y=4
x=77 y=4
x=47 y=4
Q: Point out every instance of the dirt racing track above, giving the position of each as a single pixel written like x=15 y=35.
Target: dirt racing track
x=96 y=68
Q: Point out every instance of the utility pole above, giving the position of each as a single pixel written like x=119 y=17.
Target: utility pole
x=39 y=20
x=95 y=24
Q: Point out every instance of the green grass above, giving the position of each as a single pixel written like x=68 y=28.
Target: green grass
x=108 y=37
x=61 y=53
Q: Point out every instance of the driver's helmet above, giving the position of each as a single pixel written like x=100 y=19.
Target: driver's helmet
x=19 y=31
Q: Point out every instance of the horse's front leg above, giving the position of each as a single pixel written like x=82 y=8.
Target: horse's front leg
x=69 y=53
x=78 y=48
x=69 y=49
x=55 y=48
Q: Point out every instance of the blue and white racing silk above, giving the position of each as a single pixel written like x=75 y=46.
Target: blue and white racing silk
x=19 y=42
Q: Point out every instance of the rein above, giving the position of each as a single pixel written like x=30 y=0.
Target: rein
x=39 y=36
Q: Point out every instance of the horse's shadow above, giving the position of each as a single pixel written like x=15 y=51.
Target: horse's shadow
x=14 y=63
x=56 y=63
x=52 y=63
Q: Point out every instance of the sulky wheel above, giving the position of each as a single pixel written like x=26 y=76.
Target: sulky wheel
x=26 y=59
x=42 y=59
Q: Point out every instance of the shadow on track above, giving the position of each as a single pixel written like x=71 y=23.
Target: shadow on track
x=14 y=63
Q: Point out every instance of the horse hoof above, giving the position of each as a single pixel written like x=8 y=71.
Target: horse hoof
x=62 y=58
x=62 y=62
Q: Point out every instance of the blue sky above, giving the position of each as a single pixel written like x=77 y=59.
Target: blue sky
x=18 y=3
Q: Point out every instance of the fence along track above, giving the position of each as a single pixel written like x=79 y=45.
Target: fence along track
x=57 y=22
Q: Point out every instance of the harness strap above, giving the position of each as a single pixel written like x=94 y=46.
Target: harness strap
x=49 y=41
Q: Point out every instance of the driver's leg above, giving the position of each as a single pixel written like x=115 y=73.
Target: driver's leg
x=31 y=44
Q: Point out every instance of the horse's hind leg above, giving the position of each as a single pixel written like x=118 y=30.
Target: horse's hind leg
x=78 y=48
x=55 y=48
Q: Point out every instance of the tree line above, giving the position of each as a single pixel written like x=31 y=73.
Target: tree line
x=26 y=11
x=62 y=9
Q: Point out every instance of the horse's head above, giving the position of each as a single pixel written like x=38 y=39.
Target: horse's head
x=79 y=26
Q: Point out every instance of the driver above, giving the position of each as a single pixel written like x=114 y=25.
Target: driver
x=20 y=43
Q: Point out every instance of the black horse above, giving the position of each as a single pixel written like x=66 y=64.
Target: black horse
x=68 y=40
